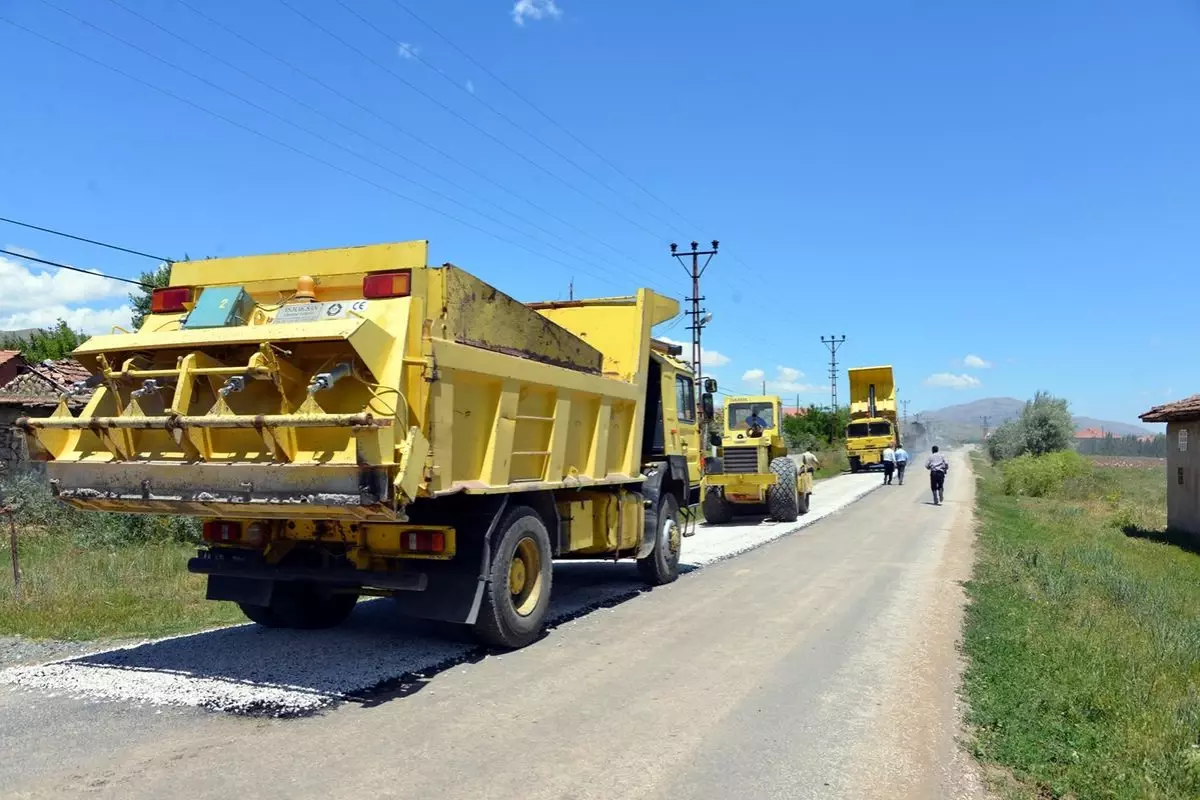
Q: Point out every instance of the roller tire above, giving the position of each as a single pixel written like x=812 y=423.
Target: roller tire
x=805 y=502
x=783 y=499
x=661 y=566
x=499 y=623
x=717 y=510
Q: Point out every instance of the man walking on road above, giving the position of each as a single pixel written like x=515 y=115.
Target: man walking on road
x=889 y=465
x=901 y=462
x=938 y=466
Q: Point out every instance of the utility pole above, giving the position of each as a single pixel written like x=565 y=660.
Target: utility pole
x=571 y=290
x=764 y=387
x=985 y=419
x=699 y=315
x=904 y=405
x=833 y=343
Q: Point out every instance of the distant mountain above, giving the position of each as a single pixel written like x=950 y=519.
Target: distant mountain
x=965 y=420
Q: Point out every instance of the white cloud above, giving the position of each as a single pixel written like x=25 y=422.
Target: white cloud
x=407 y=50
x=951 y=381
x=710 y=358
x=788 y=374
x=785 y=381
x=25 y=289
x=38 y=298
x=470 y=87
x=975 y=362
x=535 y=10
x=80 y=318
x=25 y=251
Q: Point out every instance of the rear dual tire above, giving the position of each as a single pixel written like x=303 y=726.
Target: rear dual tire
x=303 y=606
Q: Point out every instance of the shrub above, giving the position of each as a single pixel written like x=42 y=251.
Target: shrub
x=1043 y=476
x=1044 y=426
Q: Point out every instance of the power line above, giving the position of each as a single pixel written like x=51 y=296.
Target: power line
x=401 y=129
x=417 y=57
x=335 y=121
x=76 y=269
x=83 y=239
x=544 y=115
x=287 y=4
x=281 y=143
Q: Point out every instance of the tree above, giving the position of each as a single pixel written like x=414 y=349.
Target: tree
x=805 y=431
x=139 y=299
x=1046 y=425
x=49 y=343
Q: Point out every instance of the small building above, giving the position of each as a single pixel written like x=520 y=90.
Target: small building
x=34 y=390
x=1183 y=462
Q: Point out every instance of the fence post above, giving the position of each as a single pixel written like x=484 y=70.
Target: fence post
x=12 y=540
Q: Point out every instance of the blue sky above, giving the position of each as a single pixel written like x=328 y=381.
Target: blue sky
x=1015 y=182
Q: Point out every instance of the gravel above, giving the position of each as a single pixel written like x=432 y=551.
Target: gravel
x=247 y=669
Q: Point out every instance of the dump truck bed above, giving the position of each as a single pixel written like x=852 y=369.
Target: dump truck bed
x=872 y=392
x=352 y=406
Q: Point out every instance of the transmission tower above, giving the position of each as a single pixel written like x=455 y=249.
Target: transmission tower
x=985 y=419
x=833 y=343
x=699 y=315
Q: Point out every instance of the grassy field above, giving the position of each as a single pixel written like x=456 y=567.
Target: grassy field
x=1083 y=635
x=91 y=576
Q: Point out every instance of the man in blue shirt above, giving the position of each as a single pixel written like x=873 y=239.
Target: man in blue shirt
x=902 y=459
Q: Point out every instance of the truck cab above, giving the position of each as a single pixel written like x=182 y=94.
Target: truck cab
x=753 y=472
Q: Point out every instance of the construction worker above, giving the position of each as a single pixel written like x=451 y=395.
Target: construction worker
x=809 y=462
x=889 y=464
x=902 y=460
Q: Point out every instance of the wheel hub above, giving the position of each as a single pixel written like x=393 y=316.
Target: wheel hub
x=673 y=535
x=516 y=576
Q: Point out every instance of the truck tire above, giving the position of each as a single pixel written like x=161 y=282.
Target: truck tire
x=717 y=510
x=662 y=565
x=302 y=605
x=783 y=499
x=855 y=463
x=517 y=593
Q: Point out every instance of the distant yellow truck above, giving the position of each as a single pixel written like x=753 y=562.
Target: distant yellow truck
x=754 y=472
x=353 y=422
x=872 y=425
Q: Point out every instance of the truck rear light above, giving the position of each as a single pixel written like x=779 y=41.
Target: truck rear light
x=381 y=285
x=424 y=542
x=255 y=534
x=170 y=300
x=221 y=531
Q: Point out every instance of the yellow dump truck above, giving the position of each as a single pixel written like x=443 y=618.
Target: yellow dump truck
x=353 y=422
x=872 y=425
x=753 y=472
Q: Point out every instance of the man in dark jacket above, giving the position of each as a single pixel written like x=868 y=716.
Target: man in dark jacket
x=938 y=466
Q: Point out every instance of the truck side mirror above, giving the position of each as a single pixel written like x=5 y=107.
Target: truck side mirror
x=706 y=405
x=710 y=385
x=714 y=439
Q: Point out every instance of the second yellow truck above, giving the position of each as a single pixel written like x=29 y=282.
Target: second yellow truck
x=354 y=422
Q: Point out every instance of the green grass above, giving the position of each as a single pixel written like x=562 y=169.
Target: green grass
x=1083 y=642
x=833 y=463
x=72 y=592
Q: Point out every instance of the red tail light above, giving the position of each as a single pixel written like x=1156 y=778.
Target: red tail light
x=387 y=284
x=219 y=531
x=170 y=300
x=424 y=542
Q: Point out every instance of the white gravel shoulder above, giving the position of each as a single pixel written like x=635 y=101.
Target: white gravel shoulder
x=246 y=669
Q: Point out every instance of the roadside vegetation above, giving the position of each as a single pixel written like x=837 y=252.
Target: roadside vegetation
x=89 y=576
x=1083 y=633
x=821 y=431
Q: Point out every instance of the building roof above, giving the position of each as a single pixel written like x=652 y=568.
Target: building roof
x=42 y=384
x=1178 y=411
x=8 y=355
x=1091 y=433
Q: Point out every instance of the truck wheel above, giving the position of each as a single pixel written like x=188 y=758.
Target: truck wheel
x=717 y=510
x=662 y=565
x=805 y=499
x=302 y=605
x=783 y=499
x=517 y=594
x=855 y=464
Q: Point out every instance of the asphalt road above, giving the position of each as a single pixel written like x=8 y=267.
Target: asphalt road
x=820 y=665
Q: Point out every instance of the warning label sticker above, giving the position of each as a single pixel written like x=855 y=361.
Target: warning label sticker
x=318 y=312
